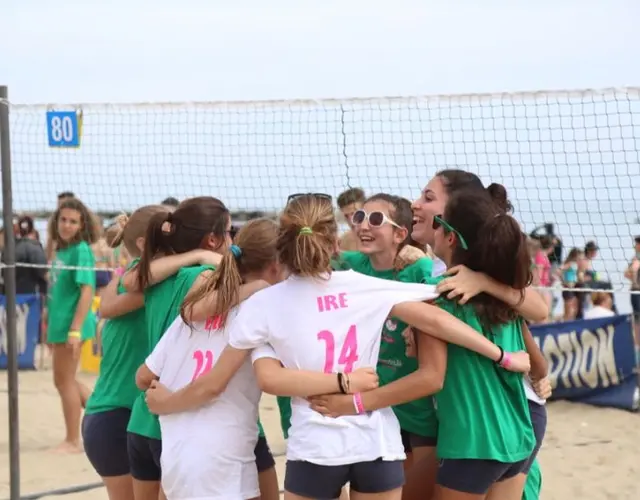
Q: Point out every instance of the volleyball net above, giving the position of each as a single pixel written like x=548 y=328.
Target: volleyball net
x=567 y=158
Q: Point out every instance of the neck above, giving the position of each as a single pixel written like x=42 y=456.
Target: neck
x=251 y=277
x=382 y=261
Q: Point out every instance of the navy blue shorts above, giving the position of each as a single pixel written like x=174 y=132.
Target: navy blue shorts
x=411 y=440
x=264 y=458
x=105 y=441
x=324 y=482
x=144 y=457
x=539 y=424
x=475 y=476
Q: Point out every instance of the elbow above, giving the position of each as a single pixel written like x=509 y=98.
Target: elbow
x=143 y=381
x=432 y=381
x=268 y=382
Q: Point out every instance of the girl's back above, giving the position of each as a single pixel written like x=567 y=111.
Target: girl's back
x=226 y=427
x=332 y=325
x=479 y=396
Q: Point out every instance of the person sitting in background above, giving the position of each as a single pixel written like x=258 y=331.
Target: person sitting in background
x=349 y=202
x=602 y=306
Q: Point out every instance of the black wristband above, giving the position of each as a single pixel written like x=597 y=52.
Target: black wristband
x=501 y=355
x=341 y=383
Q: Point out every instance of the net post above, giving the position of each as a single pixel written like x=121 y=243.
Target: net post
x=9 y=257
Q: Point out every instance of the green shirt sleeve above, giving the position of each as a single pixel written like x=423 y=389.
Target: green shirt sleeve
x=85 y=260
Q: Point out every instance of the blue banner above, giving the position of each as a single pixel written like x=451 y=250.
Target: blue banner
x=591 y=361
x=27 y=330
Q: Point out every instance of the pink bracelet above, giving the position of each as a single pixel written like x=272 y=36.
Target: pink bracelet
x=357 y=403
x=506 y=360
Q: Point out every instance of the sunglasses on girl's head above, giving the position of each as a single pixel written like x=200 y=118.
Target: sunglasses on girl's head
x=375 y=219
x=322 y=196
x=439 y=221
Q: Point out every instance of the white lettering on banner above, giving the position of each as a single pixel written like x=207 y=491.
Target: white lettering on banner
x=22 y=313
x=584 y=359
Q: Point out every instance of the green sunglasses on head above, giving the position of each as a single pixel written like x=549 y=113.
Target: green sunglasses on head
x=439 y=221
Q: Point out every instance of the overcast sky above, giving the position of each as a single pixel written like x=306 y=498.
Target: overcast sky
x=135 y=50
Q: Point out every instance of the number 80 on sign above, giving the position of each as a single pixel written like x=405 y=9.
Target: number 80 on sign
x=64 y=128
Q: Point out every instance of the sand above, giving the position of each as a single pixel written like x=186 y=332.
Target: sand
x=589 y=453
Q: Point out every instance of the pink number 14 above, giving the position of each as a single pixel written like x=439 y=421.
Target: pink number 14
x=348 y=353
x=204 y=362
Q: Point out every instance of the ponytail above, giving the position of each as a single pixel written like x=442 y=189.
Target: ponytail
x=115 y=234
x=160 y=227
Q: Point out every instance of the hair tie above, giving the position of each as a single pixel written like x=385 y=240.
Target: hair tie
x=305 y=230
x=236 y=251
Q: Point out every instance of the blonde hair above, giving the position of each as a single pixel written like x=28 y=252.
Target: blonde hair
x=128 y=229
x=308 y=236
x=253 y=250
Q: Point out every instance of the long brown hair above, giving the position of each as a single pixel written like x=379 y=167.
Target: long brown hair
x=496 y=246
x=253 y=250
x=89 y=229
x=182 y=230
x=308 y=236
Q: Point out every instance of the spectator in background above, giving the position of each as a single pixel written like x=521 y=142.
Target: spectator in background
x=171 y=202
x=570 y=274
x=602 y=306
x=349 y=202
x=542 y=275
x=590 y=253
x=633 y=275
x=65 y=195
x=29 y=280
x=105 y=258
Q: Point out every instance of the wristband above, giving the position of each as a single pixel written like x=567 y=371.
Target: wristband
x=499 y=360
x=74 y=334
x=506 y=360
x=357 y=403
x=341 y=383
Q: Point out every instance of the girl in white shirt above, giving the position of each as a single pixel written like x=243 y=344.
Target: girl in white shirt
x=331 y=322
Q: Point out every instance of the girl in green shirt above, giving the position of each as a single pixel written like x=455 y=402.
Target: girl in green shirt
x=70 y=319
x=485 y=435
x=124 y=347
x=198 y=223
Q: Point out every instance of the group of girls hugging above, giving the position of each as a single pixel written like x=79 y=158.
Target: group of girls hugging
x=393 y=383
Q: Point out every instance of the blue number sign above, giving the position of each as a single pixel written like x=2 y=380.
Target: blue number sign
x=64 y=129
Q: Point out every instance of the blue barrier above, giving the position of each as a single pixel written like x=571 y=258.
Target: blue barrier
x=27 y=329
x=591 y=361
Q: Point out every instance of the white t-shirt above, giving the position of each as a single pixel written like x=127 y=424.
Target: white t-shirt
x=207 y=453
x=598 y=312
x=530 y=393
x=439 y=267
x=328 y=325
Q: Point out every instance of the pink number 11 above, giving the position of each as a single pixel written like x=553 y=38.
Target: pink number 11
x=348 y=353
x=204 y=362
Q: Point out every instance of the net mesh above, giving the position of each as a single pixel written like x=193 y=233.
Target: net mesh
x=566 y=157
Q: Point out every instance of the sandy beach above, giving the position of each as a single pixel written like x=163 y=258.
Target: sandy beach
x=589 y=453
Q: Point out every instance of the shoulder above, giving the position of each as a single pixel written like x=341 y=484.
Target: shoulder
x=418 y=272
x=192 y=272
x=353 y=259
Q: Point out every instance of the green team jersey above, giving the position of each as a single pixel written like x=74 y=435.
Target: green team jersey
x=64 y=292
x=534 y=482
x=162 y=305
x=124 y=347
x=284 y=405
x=418 y=416
x=482 y=408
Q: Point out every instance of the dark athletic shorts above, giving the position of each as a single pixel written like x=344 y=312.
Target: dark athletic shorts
x=105 y=441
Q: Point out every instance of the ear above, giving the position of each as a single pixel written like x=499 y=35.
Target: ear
x=140 y=243
x=451 y=239
x=213 y=242
x=400 y=234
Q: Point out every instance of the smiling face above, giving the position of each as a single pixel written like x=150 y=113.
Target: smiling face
x=376 y=239
x=432 y=201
